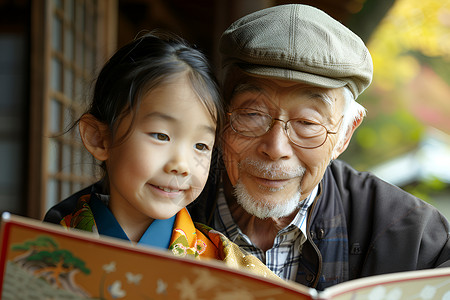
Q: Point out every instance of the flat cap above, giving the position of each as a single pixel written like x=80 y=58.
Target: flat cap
x=299 y=43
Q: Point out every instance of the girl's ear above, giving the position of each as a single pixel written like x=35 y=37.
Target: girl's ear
x=95 y=136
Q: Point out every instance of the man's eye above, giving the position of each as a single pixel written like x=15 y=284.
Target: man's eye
x=160 y=136
x=201 y=147
x=305 y=122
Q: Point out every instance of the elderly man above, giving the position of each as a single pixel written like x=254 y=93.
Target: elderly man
x=291 y=78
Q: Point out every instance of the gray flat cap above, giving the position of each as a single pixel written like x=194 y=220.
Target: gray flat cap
x=300 y=43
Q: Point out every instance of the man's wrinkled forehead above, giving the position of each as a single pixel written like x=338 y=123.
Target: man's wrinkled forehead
x=263 y=86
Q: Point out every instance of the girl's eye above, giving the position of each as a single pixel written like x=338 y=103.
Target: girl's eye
x=201 y=147
x=160 y=136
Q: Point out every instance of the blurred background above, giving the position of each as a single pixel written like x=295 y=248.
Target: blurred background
x=51 y=51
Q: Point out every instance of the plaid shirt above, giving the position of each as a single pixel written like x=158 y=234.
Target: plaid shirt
x=284 y=256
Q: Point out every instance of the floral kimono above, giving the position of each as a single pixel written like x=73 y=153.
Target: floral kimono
x=179 y=234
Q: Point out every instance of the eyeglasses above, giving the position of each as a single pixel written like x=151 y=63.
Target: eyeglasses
x=301 y=132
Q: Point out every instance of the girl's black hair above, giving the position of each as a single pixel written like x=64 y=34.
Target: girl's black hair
x=135 y=69
x=145 y=63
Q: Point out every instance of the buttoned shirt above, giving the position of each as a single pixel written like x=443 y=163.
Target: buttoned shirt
x=284 y=256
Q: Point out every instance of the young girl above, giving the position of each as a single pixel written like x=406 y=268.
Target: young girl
x=152 y=123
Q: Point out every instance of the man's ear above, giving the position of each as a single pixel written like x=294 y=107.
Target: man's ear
x=348 y=136
x=95 y=136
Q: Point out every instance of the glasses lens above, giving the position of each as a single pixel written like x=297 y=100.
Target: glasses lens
x=306 y=134
x=249 y=122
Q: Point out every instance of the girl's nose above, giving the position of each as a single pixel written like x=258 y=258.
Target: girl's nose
x=177 y=166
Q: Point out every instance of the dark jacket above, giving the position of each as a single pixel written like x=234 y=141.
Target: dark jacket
x=357 y=226
x=360 y=226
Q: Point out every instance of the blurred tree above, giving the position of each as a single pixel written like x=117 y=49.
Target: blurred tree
x=410 y=91
x=413 y=34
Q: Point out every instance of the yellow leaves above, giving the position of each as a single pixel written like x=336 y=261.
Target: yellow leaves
x=366 y=137
x=411 y=25
x=389 y=135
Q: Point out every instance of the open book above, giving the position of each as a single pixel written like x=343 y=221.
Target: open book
x=44 y=261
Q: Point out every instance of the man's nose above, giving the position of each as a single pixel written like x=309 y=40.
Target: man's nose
x=275 y=144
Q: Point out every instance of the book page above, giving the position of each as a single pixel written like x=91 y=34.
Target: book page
x=43 y=261
x=421 y=284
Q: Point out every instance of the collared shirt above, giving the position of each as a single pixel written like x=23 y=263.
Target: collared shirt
x=284 y=256
x=158 y=234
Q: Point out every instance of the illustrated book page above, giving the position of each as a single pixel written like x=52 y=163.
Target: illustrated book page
x=45 y=261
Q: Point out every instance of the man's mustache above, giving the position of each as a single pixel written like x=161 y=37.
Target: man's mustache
x=270 y=170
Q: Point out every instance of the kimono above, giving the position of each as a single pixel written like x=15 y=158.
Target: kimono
x=179 y=234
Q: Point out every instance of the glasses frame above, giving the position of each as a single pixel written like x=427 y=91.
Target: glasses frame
x=285 y=127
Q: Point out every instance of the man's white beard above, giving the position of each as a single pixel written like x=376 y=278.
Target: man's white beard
x=260 y=208
x=265 y=210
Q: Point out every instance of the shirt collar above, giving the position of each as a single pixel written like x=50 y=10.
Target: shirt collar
x=300 y=218
x=158 y=234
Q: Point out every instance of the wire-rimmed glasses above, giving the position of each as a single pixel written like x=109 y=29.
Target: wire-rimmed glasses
x=301 y=132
